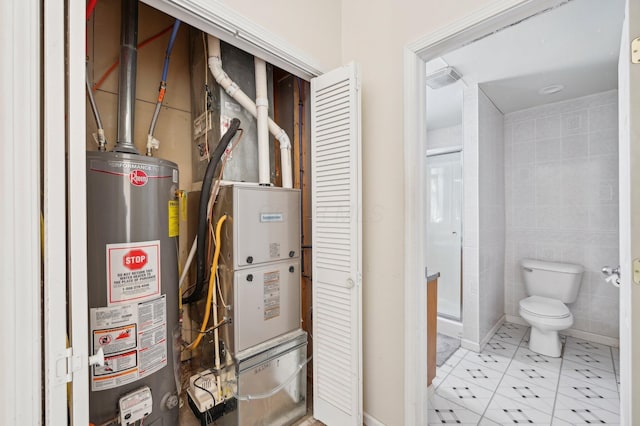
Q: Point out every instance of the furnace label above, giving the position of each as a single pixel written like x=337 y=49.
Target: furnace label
x=133 y=338
x=271 y=294
x=133 y=271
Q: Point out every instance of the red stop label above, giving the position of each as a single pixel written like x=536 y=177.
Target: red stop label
x=135 y=259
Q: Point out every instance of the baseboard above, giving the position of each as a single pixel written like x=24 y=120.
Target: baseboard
x=516 y=320
x=369 y=420
x=449 y=327
x=580 y=334
x=592 y=337
x=491 y=332
x=468 y=344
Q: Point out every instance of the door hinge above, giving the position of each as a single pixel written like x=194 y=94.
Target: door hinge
x=635 y=51
x=67 y=365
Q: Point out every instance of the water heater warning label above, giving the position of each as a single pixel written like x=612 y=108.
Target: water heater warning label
x=133 y=271
x=133 y=338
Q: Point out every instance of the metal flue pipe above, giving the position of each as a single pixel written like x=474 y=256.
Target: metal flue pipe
x=127 y=76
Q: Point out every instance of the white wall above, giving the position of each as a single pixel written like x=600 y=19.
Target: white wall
x=483 y=223
x=561 y=163
x=375 y=33
x=445 y=137
x=311 y=26
x=471 y=221
x=491 y=211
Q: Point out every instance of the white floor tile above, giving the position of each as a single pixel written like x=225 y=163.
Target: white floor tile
x=438 y=379
x=478 y=374
x=528 y=393
x=512 y=336
x=527 y=357
x=509 y=384
x=589 y=395
x=487 y=422
x=588 y=347
x=559 y=422
x=579 y=412
x=596 y=377
x=512 y=328
x=533 y=374
x=442 y=411
x=500 y=347
x=510 y=411
x=490 y=360
x=615 y=355
x=469 y=395
x=592 y=359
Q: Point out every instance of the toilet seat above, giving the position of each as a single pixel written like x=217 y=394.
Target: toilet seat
x=544 y=307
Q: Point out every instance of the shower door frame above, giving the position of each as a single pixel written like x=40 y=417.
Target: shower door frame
x=435 y=153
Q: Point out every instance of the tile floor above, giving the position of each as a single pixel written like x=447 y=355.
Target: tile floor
x=509 y=384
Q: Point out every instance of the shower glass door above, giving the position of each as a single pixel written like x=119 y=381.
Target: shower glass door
x=444 y=229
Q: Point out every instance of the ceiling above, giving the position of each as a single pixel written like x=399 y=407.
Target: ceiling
x=575 y=45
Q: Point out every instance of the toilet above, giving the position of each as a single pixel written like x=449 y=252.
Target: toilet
x=549 y=285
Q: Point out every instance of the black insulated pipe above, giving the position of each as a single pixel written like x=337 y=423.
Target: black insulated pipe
x=205 y=193
x=127 y=76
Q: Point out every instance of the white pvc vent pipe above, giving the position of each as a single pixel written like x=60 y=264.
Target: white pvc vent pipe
x=215 y=65
x=262 y=106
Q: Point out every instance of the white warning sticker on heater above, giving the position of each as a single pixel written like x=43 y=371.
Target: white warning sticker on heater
x=133 y=271
x=152 y=336
x=133 y=338
x=271 y=294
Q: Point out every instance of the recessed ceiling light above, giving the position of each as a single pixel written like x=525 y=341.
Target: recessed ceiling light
x=549 y=90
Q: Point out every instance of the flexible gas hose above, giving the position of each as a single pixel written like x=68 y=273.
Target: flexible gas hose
x=212 y=281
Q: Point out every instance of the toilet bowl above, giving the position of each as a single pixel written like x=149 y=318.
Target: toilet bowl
x=550 y=285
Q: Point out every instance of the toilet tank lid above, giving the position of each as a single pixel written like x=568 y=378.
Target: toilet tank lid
x=568 y=268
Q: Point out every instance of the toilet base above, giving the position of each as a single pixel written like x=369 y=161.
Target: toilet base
x=545 y=342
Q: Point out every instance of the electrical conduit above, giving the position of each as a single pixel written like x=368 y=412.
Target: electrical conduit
x=202 y=209
x=210 y=294
x=215 y=65
x=153 y=143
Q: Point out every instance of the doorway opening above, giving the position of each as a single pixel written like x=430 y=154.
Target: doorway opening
x=535 y=188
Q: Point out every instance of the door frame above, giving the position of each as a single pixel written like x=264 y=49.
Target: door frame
x=494 y=16
x=20 y=254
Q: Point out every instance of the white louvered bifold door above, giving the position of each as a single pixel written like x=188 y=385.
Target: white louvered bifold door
x=337 y=247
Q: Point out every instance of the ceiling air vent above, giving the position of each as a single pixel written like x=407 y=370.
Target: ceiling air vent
x=443 y=77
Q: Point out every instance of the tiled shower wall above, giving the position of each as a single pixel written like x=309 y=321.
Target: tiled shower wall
x=561 y=173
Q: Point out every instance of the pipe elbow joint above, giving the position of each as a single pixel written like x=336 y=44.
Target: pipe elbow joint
x=215 y=65
x=283 y=138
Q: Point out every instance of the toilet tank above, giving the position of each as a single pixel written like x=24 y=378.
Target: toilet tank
x=552 y=279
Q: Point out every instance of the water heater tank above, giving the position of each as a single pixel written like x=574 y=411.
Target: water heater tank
x=132 y=230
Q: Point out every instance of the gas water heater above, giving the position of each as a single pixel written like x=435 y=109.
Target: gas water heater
x=132 y=263
x=132 y=230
